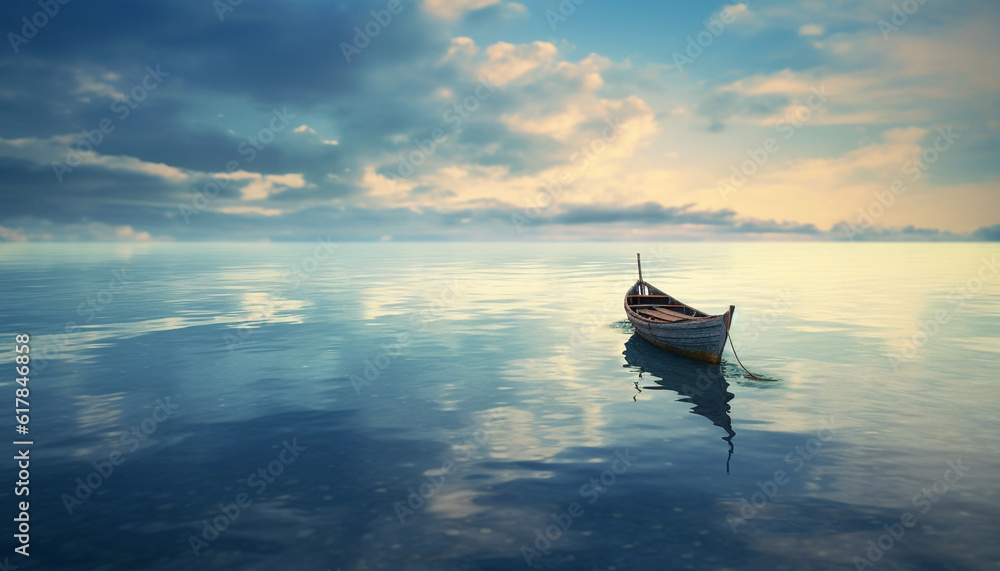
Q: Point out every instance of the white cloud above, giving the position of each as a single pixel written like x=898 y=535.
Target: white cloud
x=31 y=229
x=461 y=46
x=739 y=16
x=451 y=9
x=262 y=187
x=251 y=210
x=572 y=112
x=96 y=84
x=508 y=62
x=811 y=30
x=10 y=235
x=127 y=233
x=161 y=170
x=61 y=149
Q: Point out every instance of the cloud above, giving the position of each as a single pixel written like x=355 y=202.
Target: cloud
x=844 y=231
x=261 y=187
x=649 y=213
x=8 y=235
x=251 y=210
x=508 y=62
x=987 y=233
x=452 y=9
x=655 y=214
x=37 y=230
x=127 y=233
x=353 y=126
x=811 y=30
x=740 y=16
x=96 y=83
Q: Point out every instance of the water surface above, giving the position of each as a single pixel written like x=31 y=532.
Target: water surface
x=449 y=405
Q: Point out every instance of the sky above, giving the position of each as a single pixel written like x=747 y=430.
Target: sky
x=253 y=120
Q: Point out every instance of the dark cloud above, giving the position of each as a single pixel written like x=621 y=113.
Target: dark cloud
x=773 y=227
x=277 y=52
x=652 y=213
x=847 y=231
x=649 y=213
x=987 y=234
x=222 y=81
x=92 y=192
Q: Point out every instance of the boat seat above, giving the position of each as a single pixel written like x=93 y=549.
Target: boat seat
x=662 y=315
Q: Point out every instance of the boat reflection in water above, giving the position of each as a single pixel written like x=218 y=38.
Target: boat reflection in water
x=701 y=384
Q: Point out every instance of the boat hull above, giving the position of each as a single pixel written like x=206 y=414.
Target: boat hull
x=703 y=339
x=696 y=335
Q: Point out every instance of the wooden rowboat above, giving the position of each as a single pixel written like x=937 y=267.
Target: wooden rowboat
x=675 y=326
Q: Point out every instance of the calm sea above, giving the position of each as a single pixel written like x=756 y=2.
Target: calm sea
x=486 y=406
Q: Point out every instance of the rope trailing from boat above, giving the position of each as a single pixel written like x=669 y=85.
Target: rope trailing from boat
x=751 y=375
